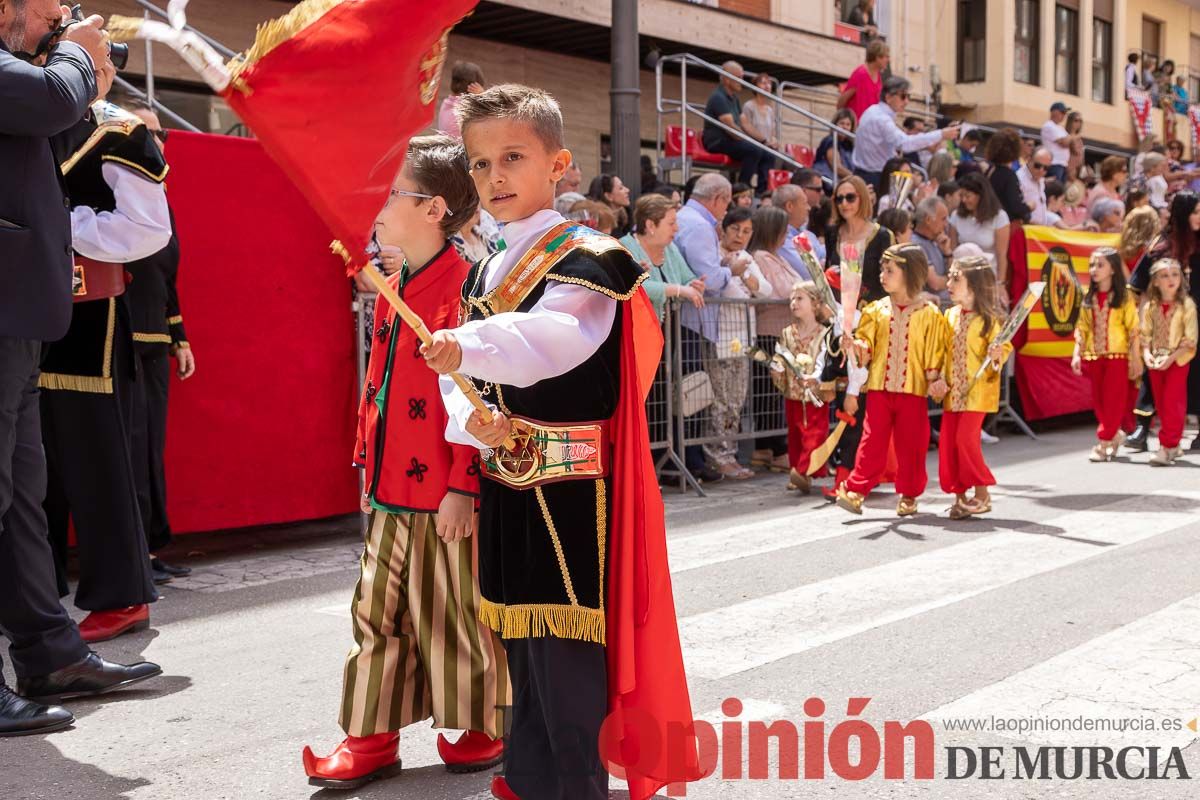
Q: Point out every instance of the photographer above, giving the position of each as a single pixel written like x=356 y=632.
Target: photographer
x=39 y=102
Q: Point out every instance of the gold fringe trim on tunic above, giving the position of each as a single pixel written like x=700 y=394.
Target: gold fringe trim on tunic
x=152 y=338
x=75 y=383
x=277 y=31
x=526 y=621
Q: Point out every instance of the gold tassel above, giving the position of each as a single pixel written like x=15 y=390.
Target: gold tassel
x=123 y=29
x=526 y=621
x=277 y=31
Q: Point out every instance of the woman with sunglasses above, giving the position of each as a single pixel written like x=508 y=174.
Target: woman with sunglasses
x=852 y=223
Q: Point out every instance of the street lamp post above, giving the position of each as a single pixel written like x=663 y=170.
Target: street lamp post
x=625 y=94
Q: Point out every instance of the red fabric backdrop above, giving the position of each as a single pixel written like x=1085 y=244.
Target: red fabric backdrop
x=263 y=432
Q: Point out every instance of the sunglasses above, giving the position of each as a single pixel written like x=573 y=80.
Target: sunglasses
x=160 y=134
x=1036 y=165
x=816 y=188
x=422 y=195
x=845 y=198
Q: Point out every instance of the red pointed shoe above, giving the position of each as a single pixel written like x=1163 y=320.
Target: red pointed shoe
x=474 y=751
x=500 y=789
x=357 y=761
x=100 y=626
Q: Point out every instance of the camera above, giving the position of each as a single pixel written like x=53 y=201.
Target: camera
x=118 y=52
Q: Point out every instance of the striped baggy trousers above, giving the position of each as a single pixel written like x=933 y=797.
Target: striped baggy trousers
x=420 y=650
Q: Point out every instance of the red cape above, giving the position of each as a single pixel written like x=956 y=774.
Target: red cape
x=647 y=687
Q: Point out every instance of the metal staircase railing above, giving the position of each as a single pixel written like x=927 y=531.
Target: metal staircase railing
x=669 y=106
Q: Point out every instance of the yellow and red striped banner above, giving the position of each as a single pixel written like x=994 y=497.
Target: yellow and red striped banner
x=1048 y=254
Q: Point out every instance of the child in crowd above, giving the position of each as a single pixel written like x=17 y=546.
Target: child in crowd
x=1155 y=170
x=1138 y=230
x=1106 y=340
x=570 y=518
x=420 y=493
x=902 y=337
x=1168 y=336
x=972 y=325
x=799 y=380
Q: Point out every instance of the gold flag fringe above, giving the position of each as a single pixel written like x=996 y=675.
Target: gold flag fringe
x=525 y=621
x=277 y=31
x=123 y=29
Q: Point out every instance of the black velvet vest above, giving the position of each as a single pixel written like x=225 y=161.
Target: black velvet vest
x=589 y=391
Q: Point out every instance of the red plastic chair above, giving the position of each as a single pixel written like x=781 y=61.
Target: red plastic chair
x=802 y=154
x=777 y=178
x=674 y=147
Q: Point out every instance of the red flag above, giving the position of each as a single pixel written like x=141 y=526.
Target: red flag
x=335 y=88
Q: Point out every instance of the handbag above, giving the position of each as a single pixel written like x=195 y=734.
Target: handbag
x=696 y=393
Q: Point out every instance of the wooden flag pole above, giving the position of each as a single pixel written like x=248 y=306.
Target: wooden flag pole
x=417 y=324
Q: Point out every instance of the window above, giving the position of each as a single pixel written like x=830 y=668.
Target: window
x=1066 y=50
x=1194 y=69
x=1102 y=61
x=972 y=35
x=1025 y=62
x=1151 y=37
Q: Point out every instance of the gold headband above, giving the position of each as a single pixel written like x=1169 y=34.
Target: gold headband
x=971 y=264
x=894 y=253
x=1164 y=264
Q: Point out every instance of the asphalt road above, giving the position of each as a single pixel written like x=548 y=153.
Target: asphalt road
x=1075 y=603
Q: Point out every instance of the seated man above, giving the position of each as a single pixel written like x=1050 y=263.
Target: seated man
x=724 y=105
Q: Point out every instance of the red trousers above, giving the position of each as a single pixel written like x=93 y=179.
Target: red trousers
x=904 y=418
x=960 y=454
x=1170 y=401
x=808 y=428
x=1111 y=397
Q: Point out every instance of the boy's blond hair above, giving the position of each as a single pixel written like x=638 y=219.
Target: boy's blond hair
x=535 y=108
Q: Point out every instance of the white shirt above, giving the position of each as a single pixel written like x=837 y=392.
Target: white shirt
x=560 y=332
x=138 y=227
x=879 y=137
x=1060 y=154
x=982 y=234
x=1033 y=192
x=1156 y=188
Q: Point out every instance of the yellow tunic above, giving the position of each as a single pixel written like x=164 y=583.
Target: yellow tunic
x=966 y=350
x=1104 y=332
x=1162 y=333
x=907 y=346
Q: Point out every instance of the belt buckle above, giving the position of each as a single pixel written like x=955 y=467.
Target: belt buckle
x=543 y=453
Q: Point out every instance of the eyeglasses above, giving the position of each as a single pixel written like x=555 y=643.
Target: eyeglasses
x=902 y=95
x=160 y=134
x=422 y=195
x=846 y=198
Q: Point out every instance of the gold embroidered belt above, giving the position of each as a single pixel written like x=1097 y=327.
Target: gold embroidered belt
x=547 y=452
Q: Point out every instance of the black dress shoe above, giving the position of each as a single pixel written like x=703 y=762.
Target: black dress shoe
x=91 y=676
x=21 y=717
x=160 y=576
x=158 y=565
x=1137 y=440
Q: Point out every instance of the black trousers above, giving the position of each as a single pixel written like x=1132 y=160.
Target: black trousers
x=148 y=440
x=1144 y=407
x=560 y=700
x=755 y=160
x=92 y=484
x=42 y=638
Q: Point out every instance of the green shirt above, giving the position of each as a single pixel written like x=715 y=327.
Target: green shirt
x=673 y=270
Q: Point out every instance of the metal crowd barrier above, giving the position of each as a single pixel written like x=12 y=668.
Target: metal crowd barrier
x=713 y=370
